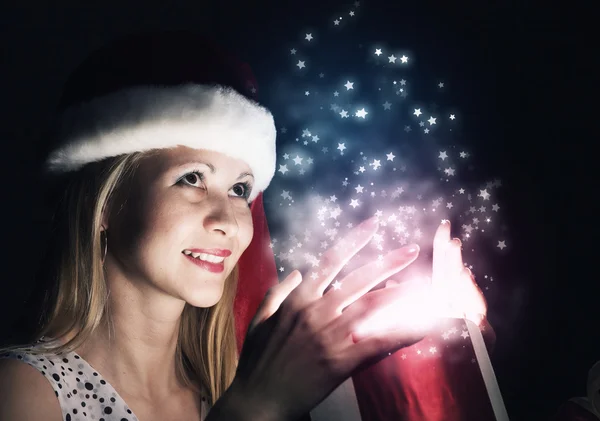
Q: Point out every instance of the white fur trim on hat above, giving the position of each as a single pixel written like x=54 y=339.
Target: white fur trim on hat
x=152 y=117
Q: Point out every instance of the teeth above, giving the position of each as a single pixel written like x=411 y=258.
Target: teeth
x=206 y=257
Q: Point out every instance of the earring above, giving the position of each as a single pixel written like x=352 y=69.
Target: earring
x=104 y=240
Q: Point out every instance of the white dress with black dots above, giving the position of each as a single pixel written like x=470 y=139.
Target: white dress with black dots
x=82 y=392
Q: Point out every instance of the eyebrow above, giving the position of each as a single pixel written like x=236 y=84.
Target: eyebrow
x=213 y=169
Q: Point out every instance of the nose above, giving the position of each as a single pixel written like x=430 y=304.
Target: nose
x=221 y=217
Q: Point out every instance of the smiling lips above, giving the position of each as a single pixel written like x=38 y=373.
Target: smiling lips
x=211 y=256
x=207 y=261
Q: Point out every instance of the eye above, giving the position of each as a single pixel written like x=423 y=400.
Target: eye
x=192 y=178
x=242 y=190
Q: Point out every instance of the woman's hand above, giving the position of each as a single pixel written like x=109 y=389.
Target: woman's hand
x=454 y=284
x=299 y=346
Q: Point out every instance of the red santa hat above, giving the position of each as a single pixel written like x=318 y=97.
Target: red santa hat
x=164 y=89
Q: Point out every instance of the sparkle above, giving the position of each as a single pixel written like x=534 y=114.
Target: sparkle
x=361 y=113
x=335 y=166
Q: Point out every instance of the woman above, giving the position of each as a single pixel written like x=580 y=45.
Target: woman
x=162 y=162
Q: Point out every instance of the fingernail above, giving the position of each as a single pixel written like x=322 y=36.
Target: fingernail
x=412 y=249
x=458 y=240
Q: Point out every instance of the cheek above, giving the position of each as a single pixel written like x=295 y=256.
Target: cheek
x=246 y=230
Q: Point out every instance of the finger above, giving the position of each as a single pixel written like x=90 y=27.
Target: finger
x=274 y=297
x=476 y=304
x=454 y=261
x=355 y=314
x=391 y=283
x=440 y=244
x=335 y=258
x=387 y=335
x=362 y=280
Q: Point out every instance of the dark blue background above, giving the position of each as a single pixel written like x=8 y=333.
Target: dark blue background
x=517 y=67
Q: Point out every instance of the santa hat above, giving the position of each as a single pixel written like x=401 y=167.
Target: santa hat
x=159 y=90
x=164 y=89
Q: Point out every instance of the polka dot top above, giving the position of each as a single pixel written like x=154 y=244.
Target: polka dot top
x=82 y=392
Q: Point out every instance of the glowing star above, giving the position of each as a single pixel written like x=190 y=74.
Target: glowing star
x=404 y=59
x=349 y=85
x=293 y=51
x=392 y=58
x=484 y=194
x=336 y=22
x=286 y=195
x=495 y=208
x=390 y=156
x=464 y=334
x=301 y=64
x=283 y=169
x=417 y=112
x=443 y=155
x=341 y=147
x=431 y=121
x=354 y=203
x=378 y=52
x=297 y=160
x=344 y=114
x=376 y=164
x=308 y=37
x=337 y=285
x=452 y=117
x=441 y=84
x=387 y=105
x=359 y=189
x=501 y=245
x=361 y=113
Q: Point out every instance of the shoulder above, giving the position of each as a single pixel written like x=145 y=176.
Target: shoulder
x=26 y=394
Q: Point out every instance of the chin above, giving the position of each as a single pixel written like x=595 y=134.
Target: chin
x=205 y=298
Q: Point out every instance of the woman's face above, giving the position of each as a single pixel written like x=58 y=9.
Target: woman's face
x=182 y=200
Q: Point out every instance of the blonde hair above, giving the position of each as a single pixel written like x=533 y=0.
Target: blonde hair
x=206 y=354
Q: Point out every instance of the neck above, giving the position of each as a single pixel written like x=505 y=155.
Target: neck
x=140 y=364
